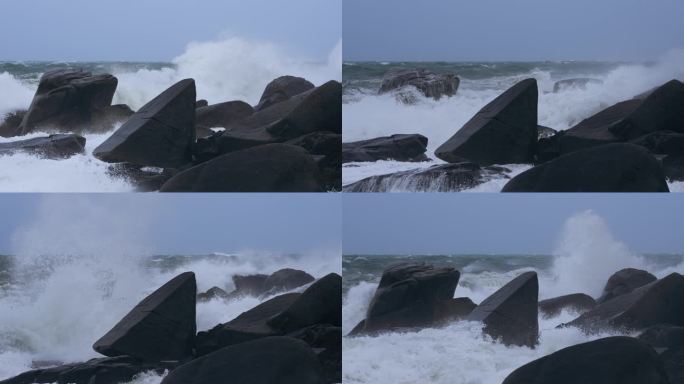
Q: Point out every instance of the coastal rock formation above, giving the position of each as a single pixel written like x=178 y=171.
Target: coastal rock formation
x=410 y=147
x=67 y=100
x=327 y=340
x=57 y=146
x=160 y=134
x=662 y=142
x=282 y=89
x=502 y=132
x=608 y=168
x=282 y=360
x=211 y=294
x=285 y=279
x=428 y=83
x=250 y=285
x=161 y=327
x=9 y=126
x=625 y=281
x=663 y=336
x=437 y=178
x=265 y=168
x=612 y=360
x=578 y=302
x=221 y=114
x=579 y=82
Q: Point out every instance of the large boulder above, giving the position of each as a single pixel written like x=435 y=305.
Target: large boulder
x=67 y=100
x=411 y=295
x=326 y=150
x=160 y=134
x=577 y=83
x=608 y=168
x=222 y=114
x=108 y=370
x=282 y=89
x=625 y=281
x=250 y=285
x=286 y=279
x=578 y=302
x=660 y=302
x=396 y=147
x=56 y=146
x=612 y=360
x=510 y=314
x=437 y=178
x=428 y=83
x=161 y=327
x=272 y=360
x=502 y=132
x=265 y=168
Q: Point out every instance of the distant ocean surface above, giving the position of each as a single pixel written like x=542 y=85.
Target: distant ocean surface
x=367 y=114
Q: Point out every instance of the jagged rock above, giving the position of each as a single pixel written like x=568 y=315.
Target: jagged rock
x=160 y=134
x=607 y=168
x=222 y=114
x=625 y=281
x=67 y=100
x=282 y=89
x=411 y=295
x=502 y=132
x=510 y=314
x=281 y=360
x=437 y=178
x=396 y=147
x=660 y=302
x=428 y=83
x=578 y=302
x=57 y=146
x=9 y=127
x=212 y=293
x=265 y=168
x=161 y=327
x=108 y=370
x=612 y=360
x=580 y=82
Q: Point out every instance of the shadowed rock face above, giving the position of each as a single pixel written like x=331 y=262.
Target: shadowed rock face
x=663 y=336
x=396 y=147
x=510 y=314
x=428 y=83
x=282 y=360
x=57 y=146
x=161 y=327
x=282 y=89
x=160 y=134
x=503 y=132
x=613 y=360
x=625 y=281
x=222 y=114
x=608 y=168
x=575 y=302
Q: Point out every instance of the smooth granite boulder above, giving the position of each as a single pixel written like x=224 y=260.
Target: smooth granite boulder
x=282 y=89
x=625 y=281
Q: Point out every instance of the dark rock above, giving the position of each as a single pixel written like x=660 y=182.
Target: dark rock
x=320 y=110
x=663 y=336
x=266 y=168
x=160 y=134
x=281 y=360
x=161 y=327
x=662 y=142
x=282 y=89
x=222 y=114
x=502 y=132
x=358 y=329
x=510 y=314
x=437 y=178
x=396 y=147
x=319 y=143
x=612 y=360
x=578 y=302
x=428 y=83
x=9 y=127
x=581 y=83
x=145 y=179
x=459 y=307
x=286 y=279
x=545 y=132
x=201 y=103
x=108 y=370
x=625 y=281
x=251 y=285
x=608 y=168
x=110 y=115
x=660 y=302
x=320 y=303
x=327 y=340
x=66 y=100
x=412 y=295
x=673 y=167
x=673 y=360
x=57 y=146
x=212 y=293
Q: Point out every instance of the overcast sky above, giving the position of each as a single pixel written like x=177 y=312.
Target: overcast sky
x=159 y=30
x=175 y=223
x=500 y=30
x=503 y=223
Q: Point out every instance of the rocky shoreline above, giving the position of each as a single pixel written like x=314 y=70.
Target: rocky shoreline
x=289 y=142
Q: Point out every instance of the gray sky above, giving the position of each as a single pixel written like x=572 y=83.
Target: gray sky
x=176 y=223
x=503 y=223
x=501 y=30
x=158 y=30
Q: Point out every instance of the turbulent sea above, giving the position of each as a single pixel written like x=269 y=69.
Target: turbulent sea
x=53 y=308
x=458 y=353
x=228 y=69
x=367 y=114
